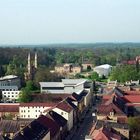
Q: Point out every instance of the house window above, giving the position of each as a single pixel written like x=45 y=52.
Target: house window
x=62 y=113
x=28 y=116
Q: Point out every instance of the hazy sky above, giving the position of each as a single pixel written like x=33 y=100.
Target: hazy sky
x=68 y=21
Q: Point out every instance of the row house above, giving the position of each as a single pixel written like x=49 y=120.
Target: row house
x=49 y=127
x=129 y=101
x=65 y=110
x=33 y=110
x=61 y=121
x=108 y=130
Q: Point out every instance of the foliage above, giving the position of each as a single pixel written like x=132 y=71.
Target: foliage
x=25 y=95
x=43 y=74
x=94 y=76
x=134 y=124
x=124 y=73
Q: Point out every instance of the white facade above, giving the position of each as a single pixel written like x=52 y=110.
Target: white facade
x=32 y=112
x=103 y=70
x=67 y=115
x=66 y=86
x=11 y=94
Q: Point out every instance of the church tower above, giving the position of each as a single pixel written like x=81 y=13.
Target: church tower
x=35 y=65
x=29 y=64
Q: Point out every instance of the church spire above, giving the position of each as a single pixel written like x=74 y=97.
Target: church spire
x=29 y=64
x=35 y=61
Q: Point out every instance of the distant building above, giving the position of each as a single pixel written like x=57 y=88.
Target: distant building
x=66 y=86
x=87 y=66
x=103 y=70
x=66 y=69
x=9 y=87
x=9 y=81
x=10 y=95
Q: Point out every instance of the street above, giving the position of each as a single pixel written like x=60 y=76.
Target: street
x=84 y=127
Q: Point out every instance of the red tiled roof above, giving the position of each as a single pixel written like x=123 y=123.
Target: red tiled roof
x=9 y=108
x=106 y=109
x=129 y=62
x=64 y=106
x=106 y=97
x=54 y=97
x=104 y=134
x=132 y=92
x=132 y=98
x=38 y=104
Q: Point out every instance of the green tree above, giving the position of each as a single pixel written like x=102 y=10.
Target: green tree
x=25 y=96
x=94 y=76
x=124 y=73
x=134 y=124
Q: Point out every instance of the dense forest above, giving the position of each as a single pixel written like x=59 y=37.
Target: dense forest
x=13 y=59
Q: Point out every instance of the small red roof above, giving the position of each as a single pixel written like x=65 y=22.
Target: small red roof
x=106 y=109
x=64 y=106
x=105 y=134
x=50 y=104
x=132 y=92
x=132 y=98
x=9 y=108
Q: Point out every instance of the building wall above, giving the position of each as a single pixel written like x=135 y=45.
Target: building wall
x=102 y=71
x=76 y=70
x=10 y=82
x=67 y=116
x=11 y=95
x=87 y=99
x=47 y=137
x=32 y=112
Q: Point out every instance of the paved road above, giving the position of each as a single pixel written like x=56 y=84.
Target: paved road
x=84 y=128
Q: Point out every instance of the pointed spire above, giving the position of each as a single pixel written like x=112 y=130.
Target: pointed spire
x=29 y=63
x=35 y=65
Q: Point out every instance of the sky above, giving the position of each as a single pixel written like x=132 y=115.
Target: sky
x=69 y=21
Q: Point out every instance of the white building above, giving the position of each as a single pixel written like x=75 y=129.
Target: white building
x=66 y=111
x=66 y=86
x=9 y=87
x=10 y=80
x=103 y=70
x=33 y=110
x=10 y=95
